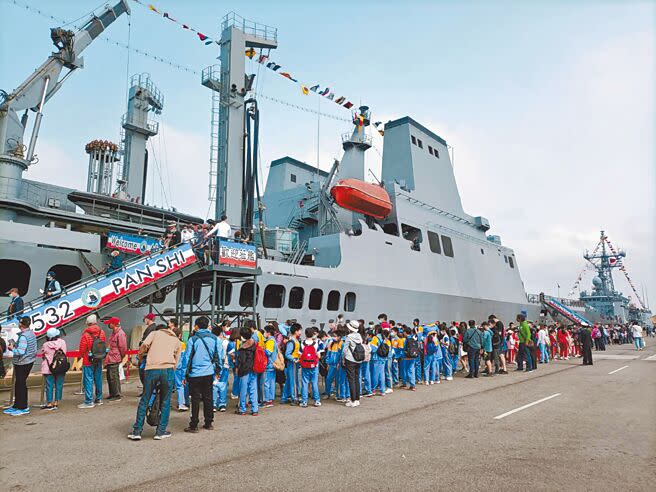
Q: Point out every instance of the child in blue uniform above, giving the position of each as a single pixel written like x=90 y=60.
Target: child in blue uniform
x=271 y=351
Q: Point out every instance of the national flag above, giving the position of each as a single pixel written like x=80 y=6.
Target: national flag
x=325 y=91
x=305 y=90
x=285 y=74
x=250 y=53
x=340 y=100
x=262 y=58
x=202 y=36
x=348 y=105
x=152 y=7
x=314 y=88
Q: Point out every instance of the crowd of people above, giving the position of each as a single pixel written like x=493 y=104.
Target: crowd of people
x=351 y=358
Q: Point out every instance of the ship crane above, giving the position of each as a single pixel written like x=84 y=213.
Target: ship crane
x=42 y=84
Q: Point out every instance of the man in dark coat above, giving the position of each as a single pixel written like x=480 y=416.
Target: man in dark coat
x=585 y=338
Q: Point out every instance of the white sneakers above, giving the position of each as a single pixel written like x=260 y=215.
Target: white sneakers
x=353 y=403
x=317 y=403
x=388 y=391
x=449 y=378
x=86 y=405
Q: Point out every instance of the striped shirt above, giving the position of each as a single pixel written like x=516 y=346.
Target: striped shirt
x=25 y=349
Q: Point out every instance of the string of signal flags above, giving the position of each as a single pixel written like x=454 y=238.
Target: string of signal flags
x=252 y=54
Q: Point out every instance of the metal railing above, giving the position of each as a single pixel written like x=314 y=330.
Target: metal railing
x=151 y=125
x=232 y=19
x=364 y=139
x=535 y=299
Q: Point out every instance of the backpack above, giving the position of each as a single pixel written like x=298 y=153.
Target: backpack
x=358 y=353
x=383 y=349
x=260 y=361
x=411 y=348
x=279 y=363
x=153 y=411
x=59 y=364
x=367 y=352
x=309 y=357
x=453 y=346
x=98 y=350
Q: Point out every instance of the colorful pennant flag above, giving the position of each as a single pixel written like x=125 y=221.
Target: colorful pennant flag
x=152 y=7
x=262 y=59
x=330 y=96
x=285 y=74
x=202 y=36
x=325 y=91
x=304 y=90
x=348 y=105
x=340 y=100
x=314 y=88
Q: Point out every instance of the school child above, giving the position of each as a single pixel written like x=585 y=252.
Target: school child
x=395 y=355
x=445 y=364
x=431 y=366
x=221 y=401
x=269 y=376
x=247 y=378
x=402 y=362
x=54 y=382
x=512 y=347
x=309 y=362
x=233 y=345
x=322 y=344
x=365 y=367
x=553 y=344
x=380 y=350
x=181 y=389
x=454 y=350
x=292 y=354
x=418 y=331
x=333 y=358
x=411 y=357
x=388 y=362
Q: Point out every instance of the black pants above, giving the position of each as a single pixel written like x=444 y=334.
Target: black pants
x=474 y=357
x=521 y=356
x=20 y=385
x=587 y=354
x=113 y=380
x=352 y=375
x=200 y=388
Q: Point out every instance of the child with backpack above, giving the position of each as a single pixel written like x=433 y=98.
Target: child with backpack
x=442 y=357
x=93 y=349
x=431 y=364
x=245 y=361
x=54 y=367
x=292 y=355
x=309 y=361
x=365 y=366
x=271 y=351
x=411 y=356
x=380 y=350
x=454 y=350
x=333 y=357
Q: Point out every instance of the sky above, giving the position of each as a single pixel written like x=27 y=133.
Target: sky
x=548 y=105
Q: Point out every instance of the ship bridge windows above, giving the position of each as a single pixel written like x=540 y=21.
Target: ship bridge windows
x=447 y=246
x=274 y=296
x=511 y=262
x=413 y=235
x=333 y=300
x=315 y=300
x=246 y=294
x=14 y=273
x=296 y=295
x=434 y=242
x=391 y=228
x=414 y=140
x=349 y=302
x=292 y=178
x=420 y=144
x=66 y=274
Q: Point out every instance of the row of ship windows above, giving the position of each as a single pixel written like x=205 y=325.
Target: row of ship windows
x=508 y=259
x=416 y=141
x=16 y=273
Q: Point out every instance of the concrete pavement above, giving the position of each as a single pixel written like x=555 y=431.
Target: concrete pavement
x=598 y=433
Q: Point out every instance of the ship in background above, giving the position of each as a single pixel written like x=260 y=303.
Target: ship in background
x=328 y=242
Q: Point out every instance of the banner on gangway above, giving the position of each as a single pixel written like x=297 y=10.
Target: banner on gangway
x=132 y=244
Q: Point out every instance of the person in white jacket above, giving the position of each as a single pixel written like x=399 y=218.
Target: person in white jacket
x=636 y=331
x=543 y=344
x=351 y=366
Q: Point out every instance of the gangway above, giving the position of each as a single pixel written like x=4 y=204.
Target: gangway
x=555 y=306
x=107 y=293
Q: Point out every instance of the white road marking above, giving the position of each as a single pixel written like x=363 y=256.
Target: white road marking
x=618 y=370
x=524 y=407
x=651 y=357
x=597 y=356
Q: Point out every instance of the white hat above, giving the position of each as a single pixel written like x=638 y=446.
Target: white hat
x=92 y=319
x=353 y=325
x=52 y=332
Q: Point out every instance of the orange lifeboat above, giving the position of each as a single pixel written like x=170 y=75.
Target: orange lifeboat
x=365 y=198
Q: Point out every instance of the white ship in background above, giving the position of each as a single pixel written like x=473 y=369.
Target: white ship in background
x=319 y=253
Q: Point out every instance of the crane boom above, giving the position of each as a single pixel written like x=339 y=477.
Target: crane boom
x=45 y=81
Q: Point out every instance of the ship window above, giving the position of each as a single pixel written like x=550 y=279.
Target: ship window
x=316 y=297
x=436 y=153
x=510 y=262
x=192 y=293
x=430 y=150
x=14 y=273
x=246 y=294
x=434 y=242
x=414 y=140
x=349 y=302
x=296 y=295
x=66 y=274
x=505 y=258
x=391 y=229
x=413 y=235
x=224 y=287
x=293 y=178
x=420 y=144
x=482 y=252
x=274 y=296
x=333 y=300
x=447 y=246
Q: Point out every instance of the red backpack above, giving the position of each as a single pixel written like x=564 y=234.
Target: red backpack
x=260 y=361
x=309 y=357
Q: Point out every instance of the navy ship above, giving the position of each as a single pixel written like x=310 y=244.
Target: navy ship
x=326 y=242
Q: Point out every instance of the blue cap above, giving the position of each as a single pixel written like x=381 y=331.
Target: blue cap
x=283 y=330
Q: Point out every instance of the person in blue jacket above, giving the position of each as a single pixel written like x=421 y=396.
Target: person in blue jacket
x=233 y=345
x=418 y=330
x=333 y=358
x=454 y=351
x=365 y=367
x=445 y=364
x=271 y=351
x=181 y=388
x=292 y=355
x=378 y=362
x=221 y=382
x=431 y=366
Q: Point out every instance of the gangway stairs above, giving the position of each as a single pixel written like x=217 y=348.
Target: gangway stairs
x=555 y=306
x=106 y=293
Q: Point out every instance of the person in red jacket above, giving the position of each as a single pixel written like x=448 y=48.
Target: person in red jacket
x=92 y=367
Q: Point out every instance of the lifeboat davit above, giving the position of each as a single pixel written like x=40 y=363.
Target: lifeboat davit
x=365 y=198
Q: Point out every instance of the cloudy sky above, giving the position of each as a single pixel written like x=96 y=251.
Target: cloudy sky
x=549 y=106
